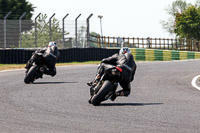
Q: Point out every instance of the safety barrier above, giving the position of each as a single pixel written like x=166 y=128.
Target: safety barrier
x=21 y=56
x=163 y=55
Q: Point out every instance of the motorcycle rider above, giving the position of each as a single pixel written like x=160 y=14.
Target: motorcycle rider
x=50 y=55
x=125 y=61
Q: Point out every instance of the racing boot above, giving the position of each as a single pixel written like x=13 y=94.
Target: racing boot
x=89 y=100
x=95 y=81
x=115 y=95
x=119 y=93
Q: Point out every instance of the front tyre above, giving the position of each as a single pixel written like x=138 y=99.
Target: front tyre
x=101 y=94
x=31 y=74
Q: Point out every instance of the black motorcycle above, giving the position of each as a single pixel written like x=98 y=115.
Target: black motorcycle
x=35 y=68
x=106 y=87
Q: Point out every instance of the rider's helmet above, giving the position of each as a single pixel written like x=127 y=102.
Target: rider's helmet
x=51 y=44
x=124 y=50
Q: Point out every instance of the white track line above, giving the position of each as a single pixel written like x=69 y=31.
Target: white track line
x=194 y=82
x=11 y=70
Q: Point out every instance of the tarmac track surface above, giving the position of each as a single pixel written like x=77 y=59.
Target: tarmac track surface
x=162 y=100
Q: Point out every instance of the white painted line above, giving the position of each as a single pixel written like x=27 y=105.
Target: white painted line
x=194 y=82
x=11 y=70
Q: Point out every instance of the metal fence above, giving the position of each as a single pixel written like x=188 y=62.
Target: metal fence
x=150 y=43
x=76 y=34
x=38 y=32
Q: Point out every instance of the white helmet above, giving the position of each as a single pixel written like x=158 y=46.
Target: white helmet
x=124 y=50
x=51 y=44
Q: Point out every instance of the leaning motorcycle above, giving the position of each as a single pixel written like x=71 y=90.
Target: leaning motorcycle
x=106 y=87
x=35 y=68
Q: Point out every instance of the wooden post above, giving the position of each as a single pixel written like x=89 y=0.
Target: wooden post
x=124 y=44
x=172 y=43
x=168 y=43
x=164 y=42
x=156 y=43
x=180 y=44
x=142 y=42
x=128 y=43
x=199 y=45
x=151 y=42
x=108 y=41
x=105 y=41
x=99 y=41
x=113 y=41
x=160 y=42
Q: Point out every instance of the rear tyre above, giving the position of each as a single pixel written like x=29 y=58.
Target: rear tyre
x=100 y=96
x=30 y=75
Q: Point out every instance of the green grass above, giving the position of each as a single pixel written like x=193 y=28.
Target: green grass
x=78 y=63
x=21 y=66
x=11 y=66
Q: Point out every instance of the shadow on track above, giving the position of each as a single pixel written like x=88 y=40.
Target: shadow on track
x=129 y=104
x=53 y=82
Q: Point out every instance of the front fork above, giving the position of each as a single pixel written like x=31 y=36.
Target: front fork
x=112 y=92
x=95 y=89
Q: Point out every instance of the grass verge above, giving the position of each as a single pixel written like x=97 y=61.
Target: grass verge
x=21 y=66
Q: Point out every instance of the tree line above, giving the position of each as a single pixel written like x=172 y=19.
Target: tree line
x=184 y=20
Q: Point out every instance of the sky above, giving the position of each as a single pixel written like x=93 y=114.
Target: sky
x=121 y=18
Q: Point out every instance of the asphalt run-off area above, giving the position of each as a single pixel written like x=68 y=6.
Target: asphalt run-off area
x=164 y=98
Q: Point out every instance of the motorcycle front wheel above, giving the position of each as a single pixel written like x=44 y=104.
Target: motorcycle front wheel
x=101 y=94
x=30 y=75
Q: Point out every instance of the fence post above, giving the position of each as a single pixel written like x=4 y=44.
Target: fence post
x=198 y=45
x=88 y=29
x=113 y=41
x=148 y=43
x=168 y=42
x=164 y=42
x=63 y=20
x=105 y=41
x=160 y=42
x=36 y=29
x=5 y=27
x=108 y=41
x=155 y=43
x=99 y=41
x=194 y=45
x=20 y=29
x=128 y=43
x=176 y=44
x=142 y=42
x=50 y=34
x=76 y=34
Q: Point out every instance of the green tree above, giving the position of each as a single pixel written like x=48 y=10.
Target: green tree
x=188 y=23
x=17 y=7
x=28 y=38
x=93 y=39
x=177 y=7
